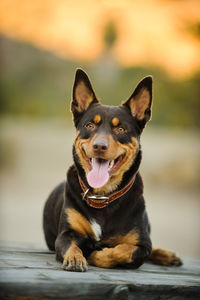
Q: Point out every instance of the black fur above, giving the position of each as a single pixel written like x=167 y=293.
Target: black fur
x=123 y=215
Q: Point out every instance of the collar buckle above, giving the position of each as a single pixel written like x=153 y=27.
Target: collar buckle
x=97 y=200
x=90 y=198
x=98 y=197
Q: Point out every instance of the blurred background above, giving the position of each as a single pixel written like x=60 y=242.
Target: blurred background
x=117 y=43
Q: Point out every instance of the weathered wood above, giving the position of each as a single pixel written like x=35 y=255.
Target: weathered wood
x=33 y=273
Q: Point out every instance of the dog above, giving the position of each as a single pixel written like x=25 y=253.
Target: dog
x=98 y=216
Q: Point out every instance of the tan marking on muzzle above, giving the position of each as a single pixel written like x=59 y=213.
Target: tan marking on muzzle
x=115 y=149
x=111 y=153
x=129 y=150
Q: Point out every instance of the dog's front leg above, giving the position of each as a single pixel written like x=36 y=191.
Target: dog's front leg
x=122 y=254
x=69 y=253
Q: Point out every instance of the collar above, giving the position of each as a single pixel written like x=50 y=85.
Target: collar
x=99 y=201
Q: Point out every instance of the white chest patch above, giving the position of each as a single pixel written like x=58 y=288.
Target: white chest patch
x=97 y=229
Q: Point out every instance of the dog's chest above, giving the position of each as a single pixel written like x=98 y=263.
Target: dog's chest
x=104 y=228
x=97 y=229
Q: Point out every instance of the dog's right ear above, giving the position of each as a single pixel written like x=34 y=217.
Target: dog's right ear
x=83 y=95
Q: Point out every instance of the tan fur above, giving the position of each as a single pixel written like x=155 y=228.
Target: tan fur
x=73 y=259
x=83 y=96
x=130 y=151
x=79 y=150
x=164 y=257
x=77 y=134
x=72 y=251
x=79 y=223
x=131 y=238
x=115 y=121
x=86 y=146
x=97 y=119
x=115 y=149
x=139 y=104
x=121 y=252
x=112 y=152
x=110 y=257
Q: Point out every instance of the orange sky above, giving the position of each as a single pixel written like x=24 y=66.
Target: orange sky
x=149 y=32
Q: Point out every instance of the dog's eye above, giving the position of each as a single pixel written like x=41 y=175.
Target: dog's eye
x=119 y=130
x=90 y=125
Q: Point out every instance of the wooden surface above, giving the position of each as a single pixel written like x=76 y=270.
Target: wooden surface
x=33 y=273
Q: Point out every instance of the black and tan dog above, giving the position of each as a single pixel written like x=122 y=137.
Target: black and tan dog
x=98 y=215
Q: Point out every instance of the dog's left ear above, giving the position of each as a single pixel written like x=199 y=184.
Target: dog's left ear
x=83 y=95
x=140 y=101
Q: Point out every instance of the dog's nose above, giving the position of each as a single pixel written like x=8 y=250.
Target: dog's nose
x=100 y=146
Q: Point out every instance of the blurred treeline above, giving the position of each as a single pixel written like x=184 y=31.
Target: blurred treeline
x=37 y=83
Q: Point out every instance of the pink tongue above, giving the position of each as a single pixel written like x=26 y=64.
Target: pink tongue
x=99 y=175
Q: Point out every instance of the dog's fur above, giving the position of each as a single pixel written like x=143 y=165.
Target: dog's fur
x=118 y=234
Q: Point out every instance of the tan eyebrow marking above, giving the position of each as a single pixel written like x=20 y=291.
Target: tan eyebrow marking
x=97 y=119
x=115 y=121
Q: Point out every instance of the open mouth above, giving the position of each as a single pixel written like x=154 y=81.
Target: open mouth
x=112 y=164
x=101 y=170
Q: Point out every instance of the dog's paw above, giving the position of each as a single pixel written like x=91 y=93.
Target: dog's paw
x=165 y=258
x=76 y=263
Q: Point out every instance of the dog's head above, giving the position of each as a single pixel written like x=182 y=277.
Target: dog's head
x=108 y=137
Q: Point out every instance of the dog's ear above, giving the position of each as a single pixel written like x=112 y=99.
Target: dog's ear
x=140 y=101
x=83 y=95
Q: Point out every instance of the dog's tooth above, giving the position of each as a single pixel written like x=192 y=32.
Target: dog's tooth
x=111 y=164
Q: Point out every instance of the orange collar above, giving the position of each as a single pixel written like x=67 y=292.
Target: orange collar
x=99 y=201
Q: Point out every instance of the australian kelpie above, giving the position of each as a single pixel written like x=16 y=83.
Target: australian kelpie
x=98 y=215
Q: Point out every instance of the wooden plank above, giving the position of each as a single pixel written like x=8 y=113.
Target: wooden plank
x=34 y=273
